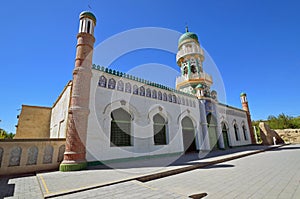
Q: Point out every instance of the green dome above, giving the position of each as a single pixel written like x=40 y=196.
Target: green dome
x=188 y=35
x=88 y=14
x=243 y=94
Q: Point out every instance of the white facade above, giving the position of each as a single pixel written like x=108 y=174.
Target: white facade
x=59 y=114
x=142 y=109
x=106 y=98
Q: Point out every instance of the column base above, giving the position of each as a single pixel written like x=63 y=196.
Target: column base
x=72 y=166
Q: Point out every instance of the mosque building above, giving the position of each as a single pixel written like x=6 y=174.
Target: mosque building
x=107 y=115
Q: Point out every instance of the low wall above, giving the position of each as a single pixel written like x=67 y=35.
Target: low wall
x=30 y=155
x=289 y=135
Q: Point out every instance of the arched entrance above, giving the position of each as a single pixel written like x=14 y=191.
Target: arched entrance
x=212 y=131
x=225 y=136
x=188 y=135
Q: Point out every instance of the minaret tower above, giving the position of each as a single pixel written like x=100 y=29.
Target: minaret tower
x=74 y=156
x=246 y=108
x=190 y=56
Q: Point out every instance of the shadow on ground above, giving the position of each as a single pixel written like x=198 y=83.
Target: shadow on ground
x=187 y=159
x=6 y=189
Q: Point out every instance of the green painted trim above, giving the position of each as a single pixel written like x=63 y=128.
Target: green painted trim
x=95 y=163
x=147 y=82
x=73 y=167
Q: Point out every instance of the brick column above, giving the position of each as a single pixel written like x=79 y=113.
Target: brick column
x=74 y=156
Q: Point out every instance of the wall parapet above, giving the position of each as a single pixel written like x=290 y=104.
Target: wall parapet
x=30 y=155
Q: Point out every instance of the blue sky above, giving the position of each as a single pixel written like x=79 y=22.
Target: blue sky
x=255 y=45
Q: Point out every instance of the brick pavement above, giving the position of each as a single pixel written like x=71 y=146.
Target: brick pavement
x=274 y=174
x=58 y=182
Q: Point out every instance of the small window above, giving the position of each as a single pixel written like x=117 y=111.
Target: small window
x=165 y=97
x=102 y=81
x=88 y=27
x=174 y=99
x=183 y=101
x=154 y=94
x=159 y=95
x=245 y=132
x=148 y=92
x=120 y=86
x=111 y=83
x=185 y=70
x=135 y=90
x=193 y=69
x=236 y=132
x=128 y=87
x=170 y=98
x=142 y=91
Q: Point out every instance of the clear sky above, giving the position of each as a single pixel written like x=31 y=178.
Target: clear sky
x=254 y=43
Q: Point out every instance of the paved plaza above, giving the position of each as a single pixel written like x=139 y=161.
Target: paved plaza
x=271 y=174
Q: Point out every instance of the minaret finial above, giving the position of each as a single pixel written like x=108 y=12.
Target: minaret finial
x=186 y=28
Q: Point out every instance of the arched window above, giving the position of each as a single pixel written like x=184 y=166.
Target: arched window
x=88 y=27
x=111 y=83
x=187 y=102
x=120 y=86
x=48 y=154
x=174 y=99
x=193 y=69
x=185 y=70
x=135 y=90
x=148 y=92
x=179 y=100
x=165 y=97
x=128 y=87
x=32 y=155
x=236 y=132
x=159 y=127
x=15 y=156
x=102 y=81
x=154 y=94
x=61 y=152
x=245 y=132
x=170 y=98
x=142 y=91
x=159 y=95
x=120 y=130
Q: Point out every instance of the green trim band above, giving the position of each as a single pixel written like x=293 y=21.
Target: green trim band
x=72 y=167
x=95 y=163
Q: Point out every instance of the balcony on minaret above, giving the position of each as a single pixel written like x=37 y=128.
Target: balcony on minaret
x=203 y=77
x=189 y=50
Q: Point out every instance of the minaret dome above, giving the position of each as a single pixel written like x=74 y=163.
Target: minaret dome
x=87 y=22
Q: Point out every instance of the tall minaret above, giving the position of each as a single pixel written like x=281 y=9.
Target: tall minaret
x=74 y=156
x=190 y=56
x=246 y=108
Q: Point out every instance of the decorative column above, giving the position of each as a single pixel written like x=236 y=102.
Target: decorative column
x=75 y=152
x=205 y=145
x=246 y=108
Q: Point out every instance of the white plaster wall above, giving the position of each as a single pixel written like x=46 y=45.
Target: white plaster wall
x=59 y=114
x=230 y=116
x=142 y=109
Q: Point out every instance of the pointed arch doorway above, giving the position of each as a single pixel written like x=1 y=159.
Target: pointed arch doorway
x=225 y=135
x=212 y=132
x=188 y=135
